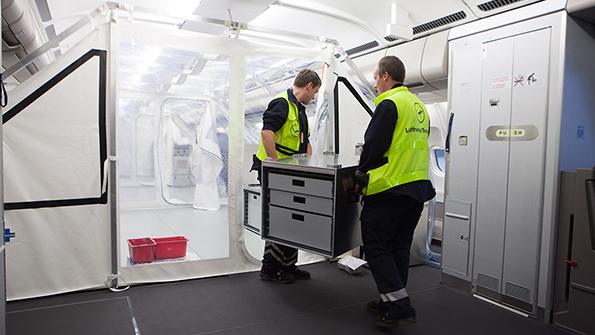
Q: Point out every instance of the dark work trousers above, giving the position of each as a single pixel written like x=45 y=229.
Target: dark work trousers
x=276 y=257
x=387 y=233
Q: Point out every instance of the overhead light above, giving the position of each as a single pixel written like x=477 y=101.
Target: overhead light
x=403 y=29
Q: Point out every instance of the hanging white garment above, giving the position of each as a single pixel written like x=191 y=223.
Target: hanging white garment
x=207 y=163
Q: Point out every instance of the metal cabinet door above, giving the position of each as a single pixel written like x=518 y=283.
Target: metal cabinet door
x=493 y=163
x=455 y=243
x=526 y=166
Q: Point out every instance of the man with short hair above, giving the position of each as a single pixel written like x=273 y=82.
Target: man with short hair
x=394 y=179
x=284 y=133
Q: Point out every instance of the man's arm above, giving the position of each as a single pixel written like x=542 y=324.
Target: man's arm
x=309 y=150
x=268 y=140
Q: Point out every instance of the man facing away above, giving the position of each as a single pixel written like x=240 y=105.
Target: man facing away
x=284 y=133
x=394 y=179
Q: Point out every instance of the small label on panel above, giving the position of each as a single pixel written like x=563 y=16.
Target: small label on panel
x=518 y=133
x=501 y=82
x=580 y=132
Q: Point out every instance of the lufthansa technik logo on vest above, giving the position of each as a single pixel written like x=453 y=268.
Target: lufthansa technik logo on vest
x=416 y=130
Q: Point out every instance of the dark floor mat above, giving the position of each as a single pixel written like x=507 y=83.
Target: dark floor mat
x=440 y=311
x=101 y=317
x=332 y=302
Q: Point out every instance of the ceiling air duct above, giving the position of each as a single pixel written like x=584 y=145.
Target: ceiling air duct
x=21 y=35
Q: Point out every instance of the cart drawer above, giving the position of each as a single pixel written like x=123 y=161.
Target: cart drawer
x=303 y=185
x=300 y=228
x=302 y=202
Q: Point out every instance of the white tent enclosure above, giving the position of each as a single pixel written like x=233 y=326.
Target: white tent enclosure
x=63 y=248
x=173 y=158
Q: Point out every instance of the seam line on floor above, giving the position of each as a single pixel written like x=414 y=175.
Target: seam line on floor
x=64 y=305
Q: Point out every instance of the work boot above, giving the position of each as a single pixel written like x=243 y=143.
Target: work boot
x=400 y=313
x=299 y=273
x=281 y=276
x=377 y=307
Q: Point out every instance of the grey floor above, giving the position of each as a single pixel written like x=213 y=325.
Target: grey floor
x=333 y=302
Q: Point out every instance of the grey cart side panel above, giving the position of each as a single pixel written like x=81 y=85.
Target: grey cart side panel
x=303 y=185
x=302 y=228
x=253 y=215
x=346 y=226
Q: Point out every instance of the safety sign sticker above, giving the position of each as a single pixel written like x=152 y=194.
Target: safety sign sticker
x=522 y=80
x=501 y=82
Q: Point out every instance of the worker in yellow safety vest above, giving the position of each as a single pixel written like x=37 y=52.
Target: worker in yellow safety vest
x=285 y=133
x=393 y=177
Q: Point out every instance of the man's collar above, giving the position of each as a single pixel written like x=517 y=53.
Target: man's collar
x=386 y=94
x=292 y=97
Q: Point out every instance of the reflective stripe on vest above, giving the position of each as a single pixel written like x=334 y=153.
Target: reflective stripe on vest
x=408 y=154
x=287 y=139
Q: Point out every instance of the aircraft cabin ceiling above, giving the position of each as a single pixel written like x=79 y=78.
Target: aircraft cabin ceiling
x=357 y=25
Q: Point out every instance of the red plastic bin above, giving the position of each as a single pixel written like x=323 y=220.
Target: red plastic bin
x=170 y=247
x=142 y=250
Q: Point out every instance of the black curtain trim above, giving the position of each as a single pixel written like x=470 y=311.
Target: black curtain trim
x=355 y=94
x=20 y=107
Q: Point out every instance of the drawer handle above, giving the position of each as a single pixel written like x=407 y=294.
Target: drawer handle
x=297 y=217
x=300 y=200
x=456 y=216
x=297 y=182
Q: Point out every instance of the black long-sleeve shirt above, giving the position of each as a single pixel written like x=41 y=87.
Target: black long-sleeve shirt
x=377 y=140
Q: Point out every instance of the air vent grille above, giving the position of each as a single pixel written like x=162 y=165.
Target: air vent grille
x=362 y=47
x=495 y=4
x=439 y=22
x=518 y=292
x=487 y=282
